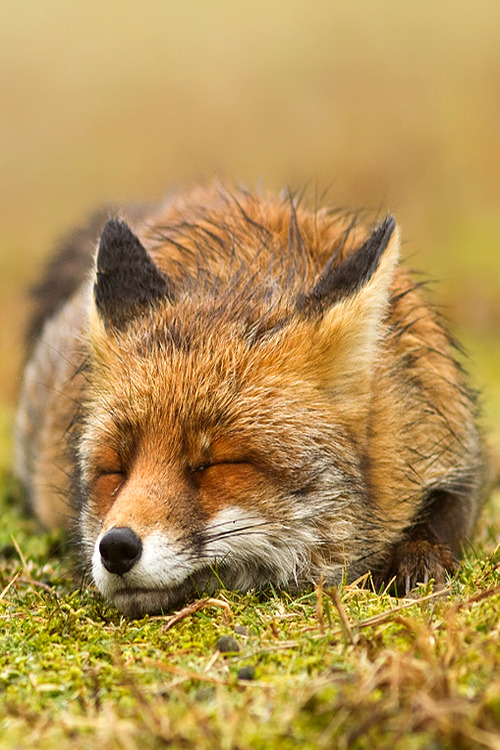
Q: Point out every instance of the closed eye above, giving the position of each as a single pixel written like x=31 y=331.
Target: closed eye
x=199 y=469
x=107 y=485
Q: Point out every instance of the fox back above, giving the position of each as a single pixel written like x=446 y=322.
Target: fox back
x=236 y=388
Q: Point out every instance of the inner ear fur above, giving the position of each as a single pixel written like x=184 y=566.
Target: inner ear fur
x=337 y=282
x=348 y=305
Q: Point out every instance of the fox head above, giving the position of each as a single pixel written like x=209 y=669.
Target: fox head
x=224 y=418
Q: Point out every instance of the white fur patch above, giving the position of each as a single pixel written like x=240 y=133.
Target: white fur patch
x=247 y=540
x=244 y=541
x=252 y=550
x=162 y=564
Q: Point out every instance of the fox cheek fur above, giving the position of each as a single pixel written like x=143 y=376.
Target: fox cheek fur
x=251 y=410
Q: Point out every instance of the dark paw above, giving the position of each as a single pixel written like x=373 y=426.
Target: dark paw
x=416 y=561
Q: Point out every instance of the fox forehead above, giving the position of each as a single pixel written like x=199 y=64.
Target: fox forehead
x=195 y=398
x=192 y=356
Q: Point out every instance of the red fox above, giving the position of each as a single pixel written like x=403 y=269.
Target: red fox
x=239 y=389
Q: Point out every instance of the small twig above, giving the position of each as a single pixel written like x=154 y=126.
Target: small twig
x=377 y=619
x=195 y=607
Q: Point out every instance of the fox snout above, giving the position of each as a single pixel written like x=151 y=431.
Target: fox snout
x=120 y=549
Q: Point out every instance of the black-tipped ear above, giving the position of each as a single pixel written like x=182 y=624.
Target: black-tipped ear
x=342 y=281
x=127 y=280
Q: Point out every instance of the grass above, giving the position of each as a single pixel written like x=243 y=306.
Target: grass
x=345 y=668
x=392 y=105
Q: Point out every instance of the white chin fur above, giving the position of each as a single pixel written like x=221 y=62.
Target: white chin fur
x=162 y=566
x=251 y=551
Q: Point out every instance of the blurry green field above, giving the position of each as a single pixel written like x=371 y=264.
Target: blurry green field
x=385 y=105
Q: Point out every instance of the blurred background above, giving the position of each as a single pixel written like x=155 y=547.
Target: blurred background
x=389 y=105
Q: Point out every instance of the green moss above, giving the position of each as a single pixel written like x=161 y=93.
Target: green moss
x=401 y=674
x=73 y=672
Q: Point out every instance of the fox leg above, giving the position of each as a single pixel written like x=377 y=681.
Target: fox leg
x=418 y=558
x=430 y=547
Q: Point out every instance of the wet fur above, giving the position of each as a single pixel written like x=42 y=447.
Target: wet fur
x=258 y=398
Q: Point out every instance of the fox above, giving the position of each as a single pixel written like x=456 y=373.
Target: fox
x=236 y=388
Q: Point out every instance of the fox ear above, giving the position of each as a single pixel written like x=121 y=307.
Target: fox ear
x=340 y=282
x=349 y=303
x=127 y=281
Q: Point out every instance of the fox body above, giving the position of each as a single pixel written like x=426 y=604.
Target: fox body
x=236 y=388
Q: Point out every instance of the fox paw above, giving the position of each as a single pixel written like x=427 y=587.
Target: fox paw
x=416 y=561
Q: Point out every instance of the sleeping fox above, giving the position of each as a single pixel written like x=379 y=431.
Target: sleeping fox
x=238 y=389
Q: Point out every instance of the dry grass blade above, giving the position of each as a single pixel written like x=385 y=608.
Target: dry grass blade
x=189 y=674
x=333 y=593
x=21 y=556
x=318 y=591
x=385 y=616
x=479 y=597
x=9 y=585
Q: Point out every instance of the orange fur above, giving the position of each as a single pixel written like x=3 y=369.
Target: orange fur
x=260 y=409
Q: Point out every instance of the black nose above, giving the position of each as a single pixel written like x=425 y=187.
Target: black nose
x=120 y=549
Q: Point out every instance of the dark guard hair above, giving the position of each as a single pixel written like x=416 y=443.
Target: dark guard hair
x=127 y=279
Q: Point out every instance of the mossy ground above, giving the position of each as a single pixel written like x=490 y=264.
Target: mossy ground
x=348 y=668
x=393 y=105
